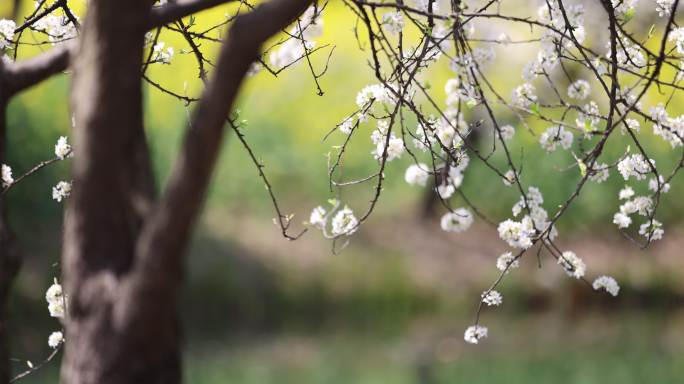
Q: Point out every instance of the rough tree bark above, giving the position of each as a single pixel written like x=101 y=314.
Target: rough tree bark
x=9 y=251
x=123 y=259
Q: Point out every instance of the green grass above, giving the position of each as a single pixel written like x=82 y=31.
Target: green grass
x=635 y=350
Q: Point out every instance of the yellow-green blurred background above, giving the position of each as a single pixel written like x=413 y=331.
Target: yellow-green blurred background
x=392 y=307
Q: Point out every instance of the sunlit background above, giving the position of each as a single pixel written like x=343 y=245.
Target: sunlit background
x=392 y=307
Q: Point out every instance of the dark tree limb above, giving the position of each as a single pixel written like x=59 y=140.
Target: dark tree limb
x=149 y=293
x=10 y=256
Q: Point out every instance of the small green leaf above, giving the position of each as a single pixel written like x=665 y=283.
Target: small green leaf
x=535 y=108
x=629 y=14
x=582 y=167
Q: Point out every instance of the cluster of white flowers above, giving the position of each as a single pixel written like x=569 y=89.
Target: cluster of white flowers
x=588 y=117
x=63 y=149
x=391 y=147
x=536 y=220
x=554 y=136
x=55 y=339
x=506 y=262
x=658 y=184
x=516 y=234
x=608 y=283
x=671 y=129
x=643 y=205
x=624 y=7
x=417 y=174
x=373 y=92
x=7 y=178
x=579 y=90
x=58 y=28
x=573 y=265
x=318 y=217
x=664 y=7
x=523 y=96
x=61 y=191
x=308 y=27
x=652 y=230
x=509 y=177
x=677 y=35
x=507 y=131
x=457 y=221
x=599 y=173
x=635 y=165
x=475 y=333
x=7 y=28
x=344 y=222
x=492 y=298
x=161 y=55
x=393 y=21
x=628 y=56
x=56 y=299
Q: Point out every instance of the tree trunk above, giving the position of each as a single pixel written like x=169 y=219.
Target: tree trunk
x=123 y=253
x=113 y=191
x=9 y=254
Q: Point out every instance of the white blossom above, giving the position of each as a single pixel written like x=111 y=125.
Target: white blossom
x=622 y=220
x=317 y=217
x=608 y=283
x=417 y=174
x=161 y=55
x=344 y=222
x=599 y=173
x=61 y=191
x=395 y=148
x=588 y=117
x=573 y=265
x=652 y=230
x=58 y=28
x=653 y=184
x=664 y=7
x=515 y=234
x=492 y=298
x=626 y=193
x=445 y=191
x=554 y=136
x=346 y=126
x=475 y=333
x=677 y=35
x=7 y=28
x=507 y=131
x=634 y=165
x=506 y=262
x=55 y=339
x=56 y=300
x=523 y=96
x=579 y=90
x=62 y=148
x=394 y=21
x=7 y=178
x=509 y=178
x=457 y=221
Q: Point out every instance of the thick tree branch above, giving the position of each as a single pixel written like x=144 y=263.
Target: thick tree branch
x=154 y=282
x=24 y=74
x=174 y=11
